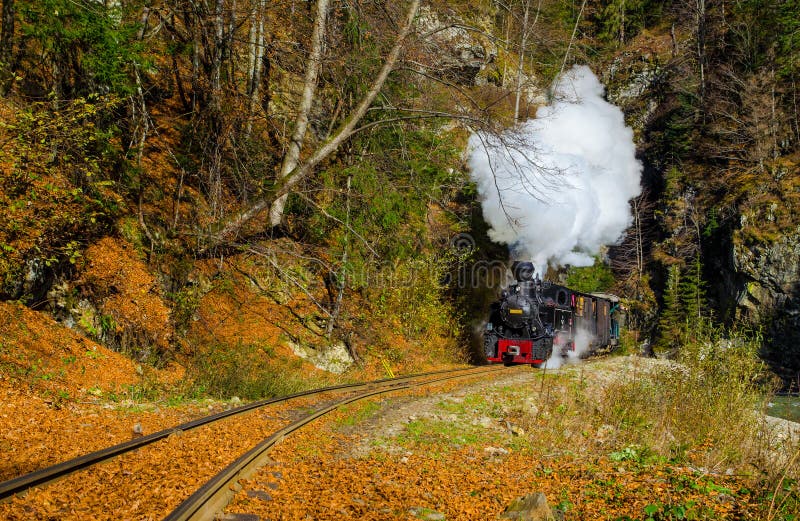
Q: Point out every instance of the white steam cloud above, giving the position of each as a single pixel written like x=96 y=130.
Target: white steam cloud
x=556 y=188
x=583 y=343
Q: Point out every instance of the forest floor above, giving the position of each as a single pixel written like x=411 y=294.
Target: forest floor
x=460 y=451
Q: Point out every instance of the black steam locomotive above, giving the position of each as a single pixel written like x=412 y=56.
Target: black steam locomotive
x=534 y=318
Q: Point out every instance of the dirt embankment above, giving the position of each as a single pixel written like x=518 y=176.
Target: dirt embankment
x=63 y=395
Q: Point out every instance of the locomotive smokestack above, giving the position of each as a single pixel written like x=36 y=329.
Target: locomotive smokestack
x=523 y=271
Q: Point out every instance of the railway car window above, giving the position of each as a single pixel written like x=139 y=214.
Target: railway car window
x=561 y=297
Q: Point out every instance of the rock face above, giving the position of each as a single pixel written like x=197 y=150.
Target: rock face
x=767 y=286
x=116 y=300
x=460 y=55
x=753 y=265
x=532 y=507
x=334 y=358
x=631 y=79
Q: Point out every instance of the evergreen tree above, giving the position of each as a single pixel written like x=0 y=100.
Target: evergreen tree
x=77 y=47
x=588 y=279
x=670 y=324
x=621 y=20
x=789 y=37
x=693 y=295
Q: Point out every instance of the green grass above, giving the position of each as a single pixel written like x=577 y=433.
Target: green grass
x=222 y=371
x=473 y=403
x=355 y=414
x=444 y=435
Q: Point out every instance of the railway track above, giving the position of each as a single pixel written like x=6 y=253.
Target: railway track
x=216 y=492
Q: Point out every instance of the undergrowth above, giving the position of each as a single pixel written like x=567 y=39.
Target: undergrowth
x=244 y=370
x=705 y=410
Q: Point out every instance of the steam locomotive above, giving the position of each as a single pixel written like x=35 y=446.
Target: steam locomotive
x=534 y=318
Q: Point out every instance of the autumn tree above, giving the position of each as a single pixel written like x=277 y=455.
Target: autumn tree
x=630 y=262
x=293 y=171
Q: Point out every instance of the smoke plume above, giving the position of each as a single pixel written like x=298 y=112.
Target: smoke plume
x=556 y=188
x=583 y=344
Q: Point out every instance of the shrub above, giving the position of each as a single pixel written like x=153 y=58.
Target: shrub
x=243 y=370
x=710 y=399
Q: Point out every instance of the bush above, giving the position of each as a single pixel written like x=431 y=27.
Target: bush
x=55 y=189
x=243 y=370
x=410 y=296
x=710 y=399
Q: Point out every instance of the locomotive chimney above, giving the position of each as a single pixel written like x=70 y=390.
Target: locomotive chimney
x=523 y=271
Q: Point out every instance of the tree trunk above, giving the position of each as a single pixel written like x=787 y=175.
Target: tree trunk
x=572 y=38
x=218 y=54
x=7 y=33
x=292 y=156
x=346 y=130
x=522 y=43
x=341 y=279
x=196 y=44
x=255 y=62
x=700 y=28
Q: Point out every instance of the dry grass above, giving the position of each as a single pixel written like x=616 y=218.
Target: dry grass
x=704 y=412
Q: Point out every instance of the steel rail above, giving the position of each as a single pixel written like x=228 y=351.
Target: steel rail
x=45 y=475
x=215 y=494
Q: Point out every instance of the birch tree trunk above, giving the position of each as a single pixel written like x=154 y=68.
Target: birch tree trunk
x=294 y=175
x=217 y=54
x=255 y=61
x=292 y=156
x=525 y=32
x=522 y=43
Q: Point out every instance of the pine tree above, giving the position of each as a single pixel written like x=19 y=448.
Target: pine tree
x=670 y=324
x=693 y=295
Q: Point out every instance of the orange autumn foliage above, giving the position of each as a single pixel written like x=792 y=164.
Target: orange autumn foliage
x=135 y=317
